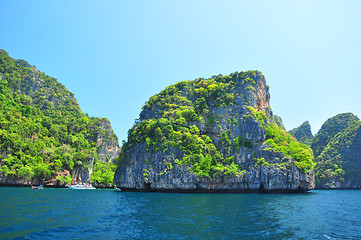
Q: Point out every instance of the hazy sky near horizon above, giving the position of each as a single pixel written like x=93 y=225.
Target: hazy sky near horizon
x=114 y=55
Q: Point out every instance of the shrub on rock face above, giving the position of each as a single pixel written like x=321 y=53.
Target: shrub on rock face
x=283 y=142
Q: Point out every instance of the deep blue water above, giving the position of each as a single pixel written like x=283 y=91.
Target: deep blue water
x=107 y=214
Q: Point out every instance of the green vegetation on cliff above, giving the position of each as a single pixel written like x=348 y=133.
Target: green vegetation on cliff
x=303 y=133
x=198 y=149
x=103 y=173
x=283 y=142
x=42 y=128
x=337 y=149
x=175 y=126
x=201 y=94
x=278 y=121
x=182 y=115
x=330 y=128
x=338 y=144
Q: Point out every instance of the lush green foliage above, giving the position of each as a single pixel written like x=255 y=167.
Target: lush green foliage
x=169 y=120
x=177 y=109
x=330 y=128
x=198 y=149
x=259 y=115
x=283 y=142
x=337 y=150
x=42 y=128
x=340 y=159
x=278 y=121
x=303 y=133
x=65 y=179
x=201 y=94
x=103 y=173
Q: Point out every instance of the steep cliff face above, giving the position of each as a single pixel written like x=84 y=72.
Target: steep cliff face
x=303 y=133
x=339 y=163
x=107 y=142
x=45 y=138
x=107 y=153
x=103 y=168
x=213 y=134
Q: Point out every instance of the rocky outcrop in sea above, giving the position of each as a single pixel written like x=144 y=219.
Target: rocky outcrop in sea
x=213 y=135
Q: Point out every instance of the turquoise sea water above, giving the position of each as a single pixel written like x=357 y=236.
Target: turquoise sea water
x=107 y=214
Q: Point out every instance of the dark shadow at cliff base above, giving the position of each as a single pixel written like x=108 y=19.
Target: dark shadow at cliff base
x=337 y=188
x=45 y=186
x=260 y=190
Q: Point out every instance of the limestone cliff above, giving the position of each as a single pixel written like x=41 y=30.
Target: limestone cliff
x=216 y=135
x=107 y=142
x=107 y=152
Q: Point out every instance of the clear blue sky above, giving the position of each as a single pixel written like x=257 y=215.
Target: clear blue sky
x=114 y=55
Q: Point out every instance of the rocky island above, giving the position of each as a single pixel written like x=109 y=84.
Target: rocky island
x=206 y=135
x=45 y=138
x=213 y=135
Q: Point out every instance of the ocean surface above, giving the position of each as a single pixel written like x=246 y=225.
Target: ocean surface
x=108 y=214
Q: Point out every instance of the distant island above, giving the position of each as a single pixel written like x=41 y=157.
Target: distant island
x=207 y=135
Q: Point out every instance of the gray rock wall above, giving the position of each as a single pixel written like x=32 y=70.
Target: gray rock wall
x=156 y=174
x=107 y=142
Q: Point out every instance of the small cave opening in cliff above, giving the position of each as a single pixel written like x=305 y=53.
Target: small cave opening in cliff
x=261 y=188
x=147 y=187
x=300 y=190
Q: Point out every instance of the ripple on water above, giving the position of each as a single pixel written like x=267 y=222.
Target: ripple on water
x=105 y=214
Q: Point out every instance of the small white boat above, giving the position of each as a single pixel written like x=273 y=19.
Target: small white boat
x=80 y=186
